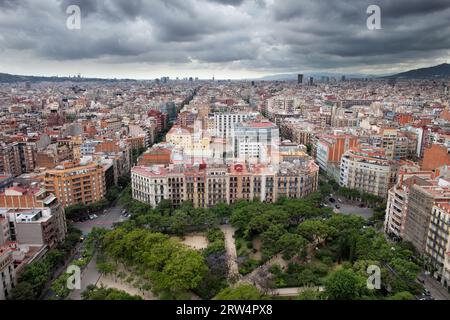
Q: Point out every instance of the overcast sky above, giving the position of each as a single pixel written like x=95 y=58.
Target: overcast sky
x=145 y=39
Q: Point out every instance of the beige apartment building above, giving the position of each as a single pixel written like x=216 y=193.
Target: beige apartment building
x=420 y=210
x=206 y=186
x=73 y=183
x=7 y=272
x=397 y=203
x=437 y=249
x=367 y=170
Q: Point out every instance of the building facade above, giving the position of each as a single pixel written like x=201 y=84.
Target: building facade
x=206 y=186
x=7 y=272
x=74 y=184
x=367 y=170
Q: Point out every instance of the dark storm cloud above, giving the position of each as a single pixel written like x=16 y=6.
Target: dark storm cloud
x=268 y=35
x=228 y=2
x=8 y=4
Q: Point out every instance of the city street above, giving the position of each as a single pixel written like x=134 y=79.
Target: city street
x=355 y=210
x=438 y=292
x=350 y=209
x=106 y=220
x=90 y=275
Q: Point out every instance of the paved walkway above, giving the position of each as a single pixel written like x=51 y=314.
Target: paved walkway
x=260 y=275
x=293 y=292
x=230 y=247
x=89 y=275
x=119 y=284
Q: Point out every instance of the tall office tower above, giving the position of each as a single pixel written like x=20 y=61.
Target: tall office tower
x=311 y=81
x=300 y=79
x=343 y=78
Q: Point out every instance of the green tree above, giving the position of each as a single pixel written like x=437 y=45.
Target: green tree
x=316 y=230
x=23 y=291
x=343 y=284
x=310 y=294
x=221 y=210
x=124 y=181
x=106 y=268
x=404 y=295
x=102 y=293
x=112 y=194
x=182 y=271
x=291 y=245
x=241 y=292
x=59 y=286
x=270 y=237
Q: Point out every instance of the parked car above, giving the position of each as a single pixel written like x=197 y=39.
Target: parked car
x=332 y=200
x=337 y=206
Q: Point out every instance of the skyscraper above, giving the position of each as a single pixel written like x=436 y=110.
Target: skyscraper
x=300 y=79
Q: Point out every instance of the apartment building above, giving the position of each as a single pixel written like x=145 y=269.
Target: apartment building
x=330 y=149
x=18 y=157
x=419 y=212
x=111 y=127
x=256 y=141
x=180 y=136
x=193 y=141
x=73 y=183
x=207 y=185
x=297 y=131
x=290 y=104
x=344 y=117
x=368 y=170
x=396 y=144
x=31 y=216
x=224 y=121
x=437 y=248
x=4 y=231
x=155 y=155
x=161 y=119
x=397 y=202
x=435 y=156
x=7 y=273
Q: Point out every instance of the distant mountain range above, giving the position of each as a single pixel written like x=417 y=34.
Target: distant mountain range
x=439 y=71
x=11 y=78
x=315 y=75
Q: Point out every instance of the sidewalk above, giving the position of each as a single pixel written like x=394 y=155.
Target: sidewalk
x=89 y=275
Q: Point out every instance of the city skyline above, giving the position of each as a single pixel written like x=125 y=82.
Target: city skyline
x=236 y=39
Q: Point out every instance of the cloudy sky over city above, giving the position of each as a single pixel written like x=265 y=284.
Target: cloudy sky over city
x=145 y=39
